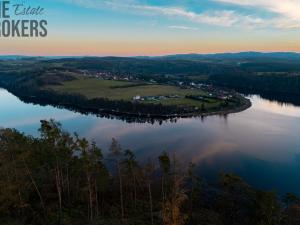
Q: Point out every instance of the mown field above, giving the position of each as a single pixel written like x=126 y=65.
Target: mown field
x=122 y=90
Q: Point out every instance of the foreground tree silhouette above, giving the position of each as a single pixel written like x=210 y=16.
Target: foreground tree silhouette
x=165 y=165
x=195 y=185
x=116 y=155
x=60 y=145
x=149 y=171
x=131 y=167
x=91 y=158
x=176 y=196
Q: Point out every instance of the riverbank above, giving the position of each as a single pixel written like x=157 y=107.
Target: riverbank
x=246 y=105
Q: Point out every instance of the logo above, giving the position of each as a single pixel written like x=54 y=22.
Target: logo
x=21 y=20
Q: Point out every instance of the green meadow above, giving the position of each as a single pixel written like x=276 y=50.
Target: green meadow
x=123 y=90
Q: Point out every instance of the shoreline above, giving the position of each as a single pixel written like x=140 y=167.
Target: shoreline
x=247 y=104
x=42 y=100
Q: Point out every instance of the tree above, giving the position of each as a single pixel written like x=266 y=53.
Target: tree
x=268 y=210
x=91 y=158
x=116 y=155
x=51 y=133
x=149 y=170
x=172 y=206
x=131 y=168
x=194 y=181
x=165 y=165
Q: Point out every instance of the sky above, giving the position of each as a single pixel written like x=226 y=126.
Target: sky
x=160 y=27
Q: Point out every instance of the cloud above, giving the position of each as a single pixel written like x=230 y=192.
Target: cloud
x=288 y=11
x=218 y=18
x=223 y=18
x=183 y=28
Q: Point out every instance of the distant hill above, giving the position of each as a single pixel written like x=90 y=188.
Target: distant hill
x=20 y=57
x=192 y=56
x=235 y=56
x=13 y=57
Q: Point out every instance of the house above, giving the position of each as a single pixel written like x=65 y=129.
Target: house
x=136 y=98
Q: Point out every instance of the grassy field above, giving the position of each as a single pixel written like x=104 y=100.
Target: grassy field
x=122 y=90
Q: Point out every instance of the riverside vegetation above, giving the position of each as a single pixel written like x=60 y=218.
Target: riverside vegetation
x=59 y=178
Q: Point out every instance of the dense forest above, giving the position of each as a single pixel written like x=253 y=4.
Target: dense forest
x=275 y=83
x=59 y=178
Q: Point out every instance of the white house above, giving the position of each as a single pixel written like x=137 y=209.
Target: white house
x=137 y=98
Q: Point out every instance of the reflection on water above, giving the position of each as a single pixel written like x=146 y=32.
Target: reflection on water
x=286 y=109
x=261 y=144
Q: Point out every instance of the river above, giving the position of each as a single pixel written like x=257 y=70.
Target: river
x=261 y=144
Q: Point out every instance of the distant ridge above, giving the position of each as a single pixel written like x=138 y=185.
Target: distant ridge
x=18 y=57
x=191 y=56
x=239 y=55
x=13 y=57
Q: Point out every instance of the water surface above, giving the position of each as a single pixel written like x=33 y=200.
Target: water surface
x=261 y=144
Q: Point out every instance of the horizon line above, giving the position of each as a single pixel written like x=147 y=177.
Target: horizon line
x=133 y=56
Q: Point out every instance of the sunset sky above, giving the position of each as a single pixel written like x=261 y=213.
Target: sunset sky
x=158 y=27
